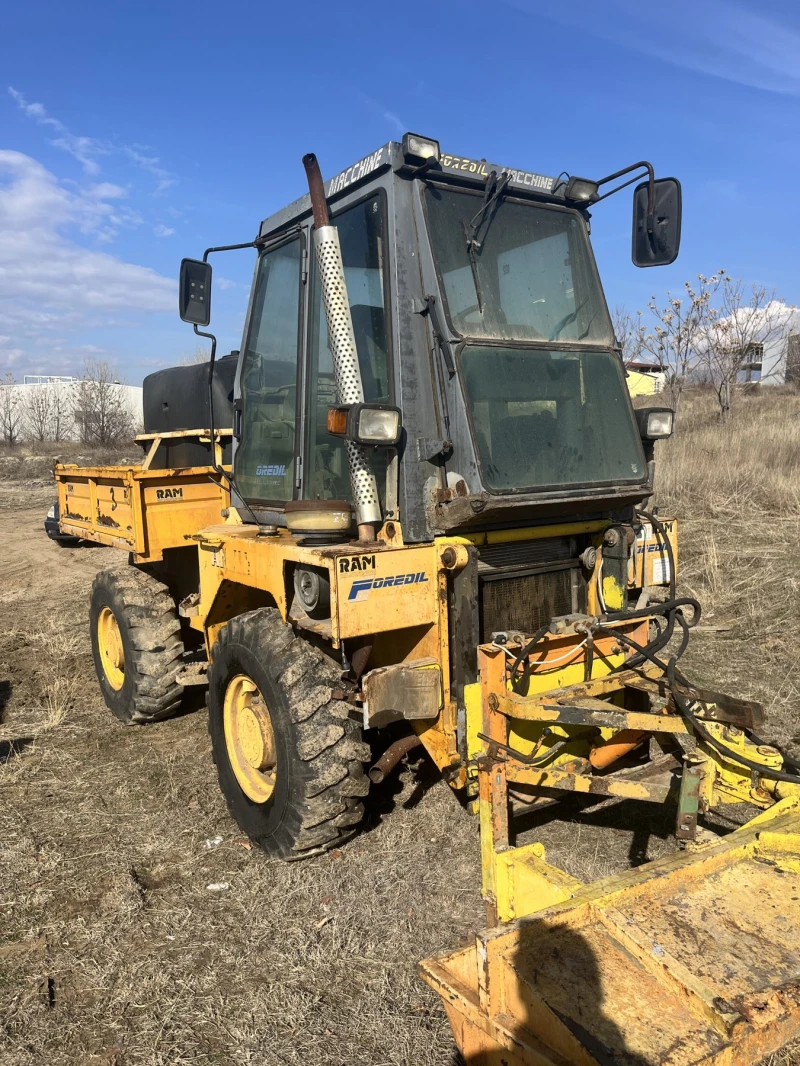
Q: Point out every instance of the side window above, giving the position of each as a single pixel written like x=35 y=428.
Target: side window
x=265 y=456
x=363 y=243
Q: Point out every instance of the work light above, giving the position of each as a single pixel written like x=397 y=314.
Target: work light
x=418 y=149
x=655 y=423
x=581 y=190
x=376 y=424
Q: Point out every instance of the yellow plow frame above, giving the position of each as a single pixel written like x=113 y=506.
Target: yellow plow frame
x=689 y=959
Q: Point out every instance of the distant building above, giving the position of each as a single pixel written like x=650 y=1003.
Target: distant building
x=644 y=378
x=49 y=399
x=752 y=365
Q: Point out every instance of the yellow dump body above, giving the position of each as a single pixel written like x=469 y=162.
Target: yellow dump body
x=694 y=958
x=141 y=511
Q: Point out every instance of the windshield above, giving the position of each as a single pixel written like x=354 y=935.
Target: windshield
x=550 y=419
x=527 y=275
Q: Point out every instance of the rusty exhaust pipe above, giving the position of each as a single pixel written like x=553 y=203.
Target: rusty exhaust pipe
x=346 y=369
x=392 y=756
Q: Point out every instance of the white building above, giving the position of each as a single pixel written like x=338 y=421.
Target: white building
x=50 y=407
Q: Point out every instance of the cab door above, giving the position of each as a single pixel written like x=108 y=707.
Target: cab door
x=266 y=460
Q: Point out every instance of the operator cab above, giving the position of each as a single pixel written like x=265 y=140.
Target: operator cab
x=477 y=310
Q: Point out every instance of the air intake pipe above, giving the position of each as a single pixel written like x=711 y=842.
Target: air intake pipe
x=343 y=348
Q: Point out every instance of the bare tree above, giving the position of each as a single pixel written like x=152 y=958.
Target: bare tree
x=11 y=411
x=62 y=411
x=101 y=408
x=38 y=404
x=745 y=323
x=49 y=411
x=678 y=339
x=630 y=333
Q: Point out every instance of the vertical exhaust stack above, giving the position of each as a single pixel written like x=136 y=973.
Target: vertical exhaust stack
x=343 y=347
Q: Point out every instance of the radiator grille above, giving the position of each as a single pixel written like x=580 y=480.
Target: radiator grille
x=525 y=554
x=525 y=603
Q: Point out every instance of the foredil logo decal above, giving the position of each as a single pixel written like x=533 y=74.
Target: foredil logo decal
x=361 y=589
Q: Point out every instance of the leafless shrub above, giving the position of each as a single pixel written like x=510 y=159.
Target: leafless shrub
x=678 y=338
x=630 y=333
x=49 y=411
x=12 y=415
x=101 y=409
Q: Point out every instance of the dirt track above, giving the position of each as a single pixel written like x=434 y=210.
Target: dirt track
x=138 y=926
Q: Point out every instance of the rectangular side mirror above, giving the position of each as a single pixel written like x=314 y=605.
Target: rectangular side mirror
x=194 y=292
x=656 y=240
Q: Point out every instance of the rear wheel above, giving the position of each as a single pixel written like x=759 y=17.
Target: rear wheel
x=136 y=645
x=290 y=759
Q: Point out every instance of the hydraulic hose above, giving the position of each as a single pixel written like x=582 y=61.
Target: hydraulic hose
x=673 y=676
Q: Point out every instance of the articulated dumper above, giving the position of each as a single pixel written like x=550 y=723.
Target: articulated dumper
x=422 y=503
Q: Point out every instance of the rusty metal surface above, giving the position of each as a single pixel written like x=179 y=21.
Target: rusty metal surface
x=690 y=960
x=392 y=756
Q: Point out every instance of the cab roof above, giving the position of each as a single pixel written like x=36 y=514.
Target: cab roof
x=390 y=155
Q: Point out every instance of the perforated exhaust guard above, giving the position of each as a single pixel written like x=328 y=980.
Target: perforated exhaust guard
x=345 y=366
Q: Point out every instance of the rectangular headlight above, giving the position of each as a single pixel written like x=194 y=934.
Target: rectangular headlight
x=377 y=425
x=581 y=190
x=417 y=149
x=655 y=423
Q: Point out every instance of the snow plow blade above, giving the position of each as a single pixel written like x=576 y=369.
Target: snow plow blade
x=694 y=958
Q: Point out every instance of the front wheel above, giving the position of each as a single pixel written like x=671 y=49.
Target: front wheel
x=289 y=757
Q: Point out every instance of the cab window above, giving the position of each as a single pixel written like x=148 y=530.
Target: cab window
x=265 y=456
x=363 y=242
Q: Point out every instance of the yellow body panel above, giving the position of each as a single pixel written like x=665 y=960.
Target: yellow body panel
x=649 y=558
x=141 y=511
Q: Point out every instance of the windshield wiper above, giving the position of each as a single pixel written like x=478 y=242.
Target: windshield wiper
x=486 y=212
x=483 y=218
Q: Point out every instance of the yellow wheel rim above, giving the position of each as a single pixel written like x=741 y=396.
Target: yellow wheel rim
x=112 y=653
x=249 y=738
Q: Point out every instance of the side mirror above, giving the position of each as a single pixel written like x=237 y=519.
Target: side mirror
x=194 y=292
x=657 y=238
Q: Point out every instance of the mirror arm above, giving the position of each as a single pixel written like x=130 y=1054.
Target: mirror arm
x=227 y=248
x=651 y=193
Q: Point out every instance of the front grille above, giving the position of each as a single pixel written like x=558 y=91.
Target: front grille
x=524 y=603
x=525 y=554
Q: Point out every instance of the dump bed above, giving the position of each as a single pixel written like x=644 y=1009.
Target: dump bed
x=692 y=959
x=139 y=509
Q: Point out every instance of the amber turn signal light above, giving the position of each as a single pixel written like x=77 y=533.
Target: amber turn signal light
x=337 y=421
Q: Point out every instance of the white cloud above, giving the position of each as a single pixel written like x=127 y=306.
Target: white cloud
x=84 y=149
x=717 y=37
x=51 y=285
x=163 y=231
x=87 y=149
x=224 y=283
x=152 y=164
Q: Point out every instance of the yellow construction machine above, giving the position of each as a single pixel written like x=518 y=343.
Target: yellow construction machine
x=418 y=498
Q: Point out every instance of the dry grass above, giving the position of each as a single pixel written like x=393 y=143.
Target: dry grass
x=747 y=469
x=736 y=493
x=114 y=951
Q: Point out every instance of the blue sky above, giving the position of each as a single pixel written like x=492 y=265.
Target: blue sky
x=132 y=134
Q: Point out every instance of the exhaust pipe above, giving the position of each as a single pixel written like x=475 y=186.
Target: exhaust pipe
x=343 y=348
x=392 y=756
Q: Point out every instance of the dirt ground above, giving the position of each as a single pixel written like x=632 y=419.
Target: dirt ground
x=139 y=927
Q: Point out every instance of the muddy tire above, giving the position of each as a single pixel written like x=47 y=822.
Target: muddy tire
x=136 y=645
x=294 y=783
